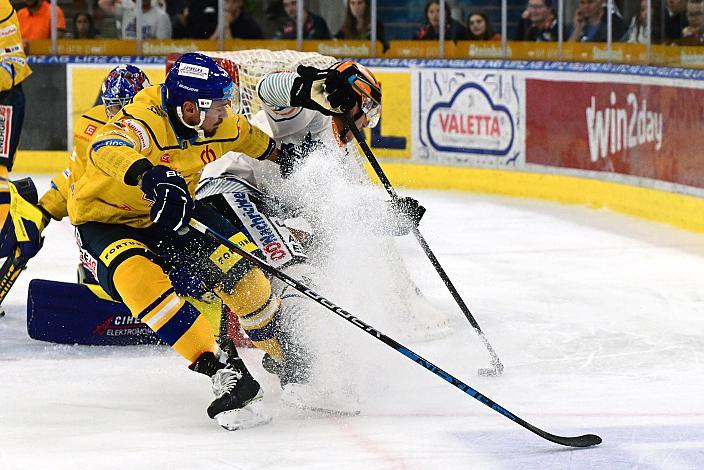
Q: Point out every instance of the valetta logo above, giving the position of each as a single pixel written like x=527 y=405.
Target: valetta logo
x=471 y=123
x=613 y=129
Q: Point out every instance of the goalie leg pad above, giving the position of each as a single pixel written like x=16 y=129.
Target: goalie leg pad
x=67 y=313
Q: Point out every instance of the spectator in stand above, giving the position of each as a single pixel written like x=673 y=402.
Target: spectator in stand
x=590 y=23
x=314 y=26
x=538 y=22
x=638 y=28
x=83 y=27
x=693 y=33
x=155 y=22
x=480 y=28
x=454 y=30
x=357 y=23
x=35 y=20
x=239 y=23
x=675 y=19
x=198 y=20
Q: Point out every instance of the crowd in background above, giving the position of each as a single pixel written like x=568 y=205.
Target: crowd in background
x=673 y=21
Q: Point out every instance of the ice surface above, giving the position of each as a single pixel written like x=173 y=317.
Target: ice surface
x=598 y=318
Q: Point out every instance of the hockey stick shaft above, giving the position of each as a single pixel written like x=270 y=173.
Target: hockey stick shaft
x=577 y=441
x=424 y=245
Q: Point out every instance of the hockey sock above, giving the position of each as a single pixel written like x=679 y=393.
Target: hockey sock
x=148 y=293
x=257 y=308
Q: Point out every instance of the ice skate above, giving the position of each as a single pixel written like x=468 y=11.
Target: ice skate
x=299 y=393
x=238 y=400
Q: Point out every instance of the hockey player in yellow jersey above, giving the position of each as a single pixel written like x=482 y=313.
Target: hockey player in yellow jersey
x=19 y=238
x=13 y=70
x=132 y=203
x=118 y=88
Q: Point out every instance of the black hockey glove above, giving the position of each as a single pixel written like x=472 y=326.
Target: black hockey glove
x=293 y=155
x=407 y=213
x=172 y=203
x=325 y=91
x=186 y=282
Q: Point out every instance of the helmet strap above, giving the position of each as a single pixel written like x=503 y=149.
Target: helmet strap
x=197 y=127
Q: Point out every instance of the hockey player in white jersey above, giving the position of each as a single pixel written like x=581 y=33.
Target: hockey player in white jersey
x=304 y=111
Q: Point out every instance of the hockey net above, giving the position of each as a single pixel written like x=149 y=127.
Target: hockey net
x=417 y=318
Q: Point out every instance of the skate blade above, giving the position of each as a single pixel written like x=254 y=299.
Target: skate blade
x=252 y=415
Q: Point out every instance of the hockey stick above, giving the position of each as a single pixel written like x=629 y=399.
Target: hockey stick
x=586 y=440
x=9 y=272
x=497 y=368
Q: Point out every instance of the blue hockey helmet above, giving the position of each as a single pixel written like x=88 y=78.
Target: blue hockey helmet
x=199 y=79
x=121 y=84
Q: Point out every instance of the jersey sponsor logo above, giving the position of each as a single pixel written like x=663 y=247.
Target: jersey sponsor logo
x=90 y=129
x=121 y=325
x=271 y=240
x=225 y=259
x=119 y=247
x=158 y=110
x=87 y=260
x=13 y=49
x=140 y=131
x=166 y=158
x=5 y=130
x=8 y=31
x=15 y=60
x=193 y=70
x=119 y=133
x=111 y=143
x=207 y=155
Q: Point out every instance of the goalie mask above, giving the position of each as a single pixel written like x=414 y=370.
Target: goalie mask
x=199 y=79
x=120 y=86
x=368 y=91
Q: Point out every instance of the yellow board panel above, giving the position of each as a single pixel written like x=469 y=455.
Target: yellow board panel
x=686 y=212
x=679 y=210
x=395 y=112
x=84 y=83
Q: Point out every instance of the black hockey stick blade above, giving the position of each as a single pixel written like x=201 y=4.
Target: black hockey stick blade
x=587 y=440
x=579 y=441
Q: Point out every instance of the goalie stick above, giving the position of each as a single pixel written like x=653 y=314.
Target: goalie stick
x=498 y=367
x=586 y=440
x=9 y=272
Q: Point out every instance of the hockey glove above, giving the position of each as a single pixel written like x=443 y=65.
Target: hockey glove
x=186 y=283
x=407 y=213
x=293 y=155
x=325 y=91
x=172 y=202
x=25 y=222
